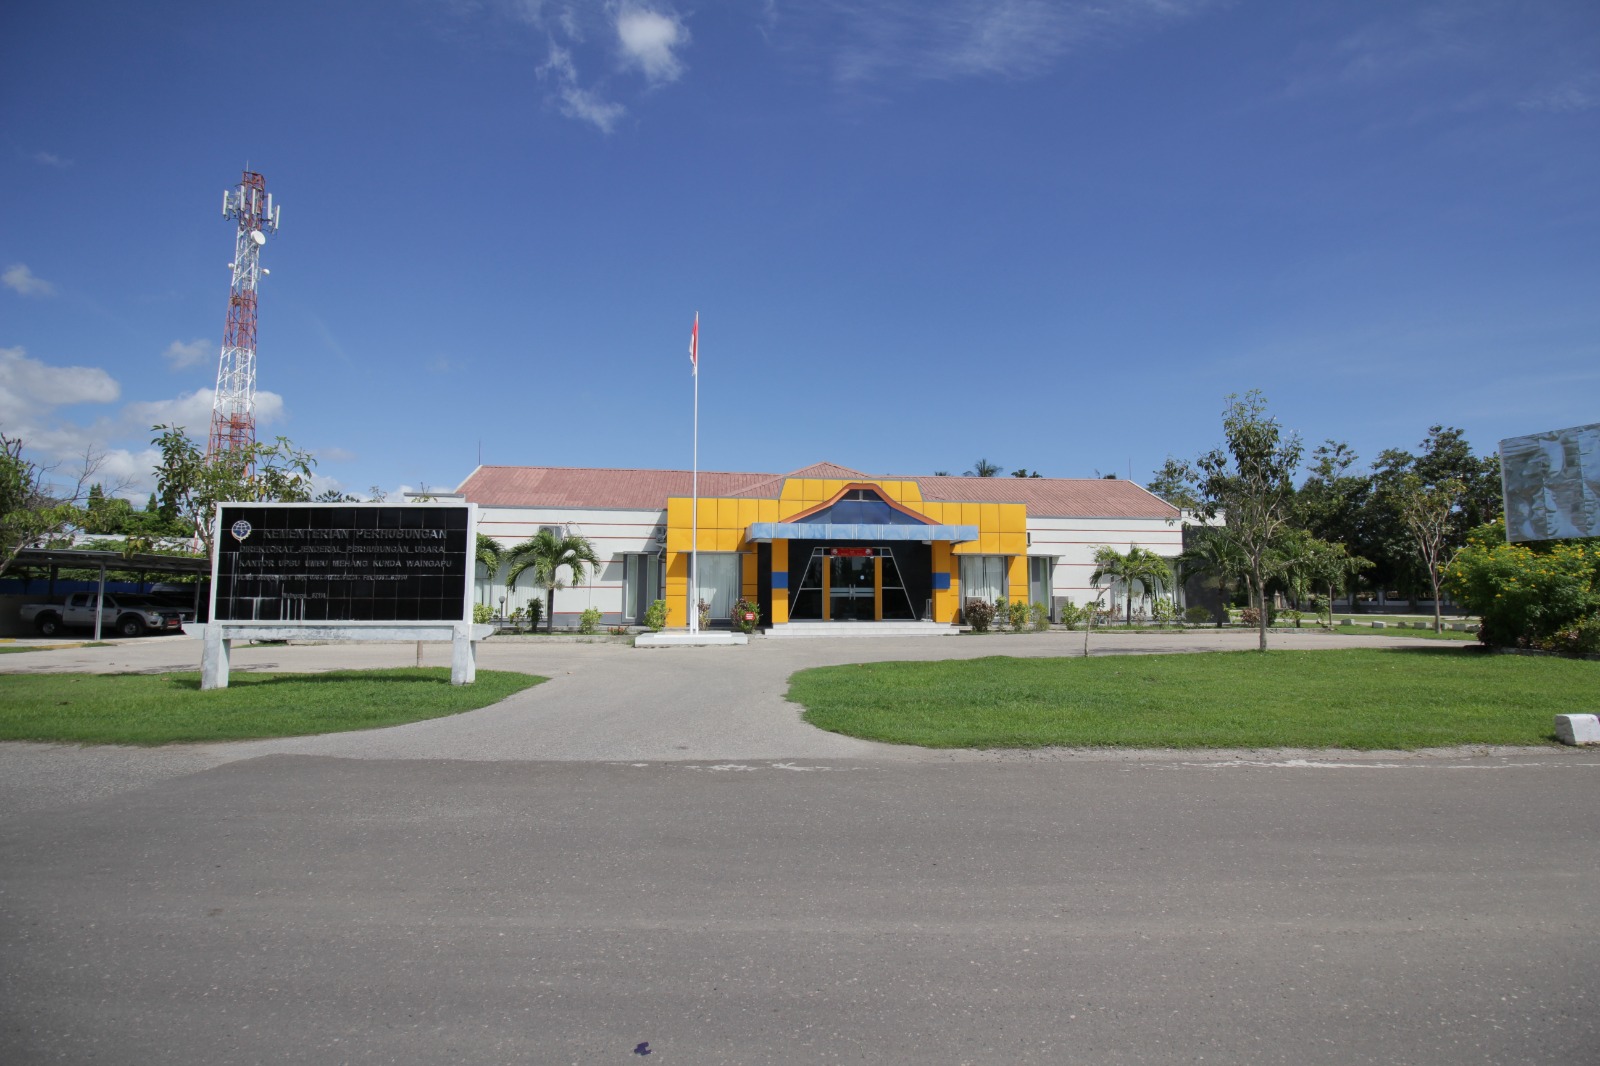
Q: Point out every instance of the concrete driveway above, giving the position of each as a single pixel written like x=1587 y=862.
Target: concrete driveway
x=650 y=858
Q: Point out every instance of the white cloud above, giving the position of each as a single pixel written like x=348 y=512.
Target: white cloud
x=192 y=412
x=948 y=39
x=17 y=276
x=50 y=159
x=33 y=396
x=29 y=388
x=648 y=40
x=180 y=355
x=1579 y=94
x=576 y=101
x=586 y=44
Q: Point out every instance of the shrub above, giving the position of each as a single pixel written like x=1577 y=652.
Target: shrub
x=1580 y=639
x=1164 y=611
x=618 y=631
x=1196 y=616
x=481 y=613
x=589 y=620
x=979 y=614
x=1293 y=616
x=656 y=616
x=1015 y=614
x=746 y=615
x=1250 y=616
x=535 y=613
x=1526 y=597
x=703 y=609
x=1039 y=618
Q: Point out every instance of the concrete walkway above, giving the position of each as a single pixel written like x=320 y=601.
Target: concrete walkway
x=604 y=702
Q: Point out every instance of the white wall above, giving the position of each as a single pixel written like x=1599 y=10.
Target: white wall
x=1072 y=543
x=612 y=532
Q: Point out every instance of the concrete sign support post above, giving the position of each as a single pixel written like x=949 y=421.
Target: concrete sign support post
x=343 y=572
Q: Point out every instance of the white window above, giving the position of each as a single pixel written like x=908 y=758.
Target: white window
x=983 y=577
x=1039 y=568
x=641 y=585
x=718 y=577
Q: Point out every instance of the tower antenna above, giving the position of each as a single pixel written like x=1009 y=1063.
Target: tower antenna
x=233 y=408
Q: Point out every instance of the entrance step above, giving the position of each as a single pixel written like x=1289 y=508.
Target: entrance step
x=791 y=630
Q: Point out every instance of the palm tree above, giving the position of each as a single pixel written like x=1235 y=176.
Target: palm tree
x=1212 y=552
x=488 y=553
x=1140 y=565
x=545 y=553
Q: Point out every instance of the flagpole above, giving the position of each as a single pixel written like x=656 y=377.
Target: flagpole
x=694 y=513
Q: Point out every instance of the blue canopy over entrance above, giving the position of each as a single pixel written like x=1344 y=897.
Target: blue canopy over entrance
x=763 y=531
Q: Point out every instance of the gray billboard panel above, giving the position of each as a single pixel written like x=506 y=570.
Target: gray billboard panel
x=1551 y=483
x=328 y=563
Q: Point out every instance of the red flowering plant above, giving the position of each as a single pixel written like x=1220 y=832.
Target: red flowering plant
x=746 y=615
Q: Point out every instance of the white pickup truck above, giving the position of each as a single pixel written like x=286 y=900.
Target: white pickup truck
x=122 y=614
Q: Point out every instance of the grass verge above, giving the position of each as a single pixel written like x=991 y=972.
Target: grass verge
x=1365 y=699
x=166 y=708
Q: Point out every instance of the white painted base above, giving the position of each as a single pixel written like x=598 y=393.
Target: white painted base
x=790 y=630
x=217 y=642
x=1578 y=728
x=681 y=640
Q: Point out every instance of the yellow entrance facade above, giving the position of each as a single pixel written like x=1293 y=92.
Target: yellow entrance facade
x=758 y=546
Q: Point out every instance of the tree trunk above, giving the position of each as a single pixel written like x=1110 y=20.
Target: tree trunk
x=1438 y=624
x=550 y=609
x=1261 y=607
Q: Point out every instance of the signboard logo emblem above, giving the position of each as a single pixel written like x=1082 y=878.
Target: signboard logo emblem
x=241 y=529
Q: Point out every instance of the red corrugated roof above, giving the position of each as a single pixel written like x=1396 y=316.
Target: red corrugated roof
x=578 y=487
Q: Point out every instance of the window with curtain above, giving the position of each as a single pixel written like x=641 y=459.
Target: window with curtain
x=983 y=577
x=718 y=574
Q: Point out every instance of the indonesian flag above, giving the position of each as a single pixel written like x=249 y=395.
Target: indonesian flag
x=694 y=346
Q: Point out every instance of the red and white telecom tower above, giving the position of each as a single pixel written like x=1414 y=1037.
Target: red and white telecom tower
x=233 y=410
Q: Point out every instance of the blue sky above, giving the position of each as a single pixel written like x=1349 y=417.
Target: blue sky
x=917 y=232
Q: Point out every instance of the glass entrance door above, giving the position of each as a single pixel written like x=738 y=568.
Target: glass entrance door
x=850 y=584
x=853 y=588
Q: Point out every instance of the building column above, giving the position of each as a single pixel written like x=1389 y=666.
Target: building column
x=780 y=582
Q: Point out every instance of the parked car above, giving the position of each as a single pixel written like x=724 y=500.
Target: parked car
x=120 y=613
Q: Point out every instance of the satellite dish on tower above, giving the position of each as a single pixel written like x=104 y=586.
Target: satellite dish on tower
x=259 y=237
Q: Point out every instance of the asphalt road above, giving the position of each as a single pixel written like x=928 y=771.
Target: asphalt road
x=718 y=883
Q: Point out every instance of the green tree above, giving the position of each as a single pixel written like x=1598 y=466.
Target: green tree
x=1175 y=483
x=1428 y=512
x=1388 y=539
x=1211 y=553
x=191 y=485
x=1307 y=562
x=33 y=508
x=1249 y=483
x=545 y=554
x=1025 y=472
x=984 y=468
x=489 y=554
x=1137 y=566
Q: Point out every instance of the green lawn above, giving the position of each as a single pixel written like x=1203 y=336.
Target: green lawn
x=1361 y=698
x=166 y=708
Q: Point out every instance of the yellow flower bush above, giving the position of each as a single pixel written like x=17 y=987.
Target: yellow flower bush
x=1527 y=597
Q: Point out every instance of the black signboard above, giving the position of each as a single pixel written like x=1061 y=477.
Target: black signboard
x=332 y=563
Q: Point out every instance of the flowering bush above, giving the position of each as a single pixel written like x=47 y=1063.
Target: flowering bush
x=979 y=614
x=1016 y=614
x=746 y=615
x=1528 y=598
